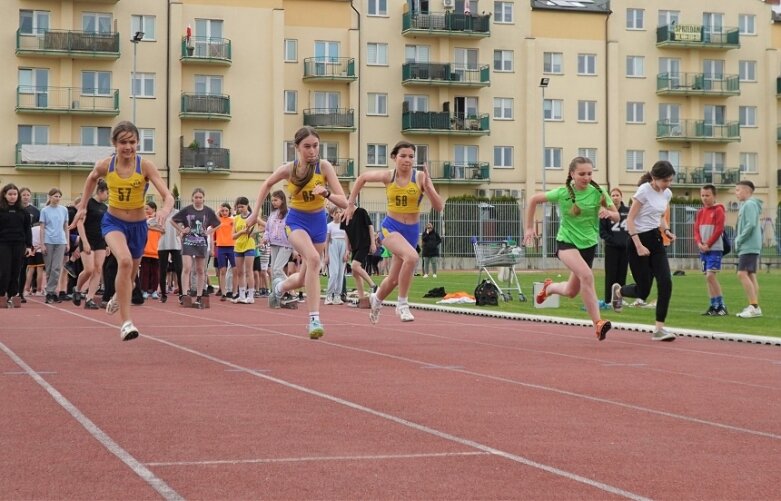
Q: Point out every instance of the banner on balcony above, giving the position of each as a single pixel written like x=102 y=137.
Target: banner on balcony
x=63 y=154
x=687 y=32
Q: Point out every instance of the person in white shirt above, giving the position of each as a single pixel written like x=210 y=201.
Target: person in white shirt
x=336 y=257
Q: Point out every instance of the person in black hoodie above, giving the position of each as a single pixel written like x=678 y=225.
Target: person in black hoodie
x=16 y=240
x=35 y=215
x=616 y=238
x=430 y=252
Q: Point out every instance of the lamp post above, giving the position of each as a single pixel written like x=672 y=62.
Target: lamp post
x=136 y=38
x=543 y=85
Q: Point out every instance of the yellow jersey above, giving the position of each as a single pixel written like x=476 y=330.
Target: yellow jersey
x=245 y=242
x=126 y=193
x=404 y=199
x=303 y=199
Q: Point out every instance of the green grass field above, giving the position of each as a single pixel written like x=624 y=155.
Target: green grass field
x=689 y=301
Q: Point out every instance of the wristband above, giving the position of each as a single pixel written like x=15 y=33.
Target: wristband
x=632 y=235
x=327 y=194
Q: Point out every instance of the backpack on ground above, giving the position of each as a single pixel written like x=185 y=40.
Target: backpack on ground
x=486 y=294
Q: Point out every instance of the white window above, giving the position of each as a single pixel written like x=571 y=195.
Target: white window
x=503 y=108
x=553 y=158
x=714 y=161
x=208 y=32
x=144 y=85
x=668 y=17
x=95 y=22
x=327 y=51
x=712 y=22
x=289 y=151
x=95 y=83
x=291 y=50
x=325 y=102
x=330 y=151
x=748 y=162
x=35 y=82
x=672 y=156
x=552 y=62
x=421 y=155
x=291 y=101
x=378 y=8
x=503 y=157
x=146 y=143
x=587 y=64
x=747 y=24
x=670 y=115
x=634 y=19
x=587 y=111
x=33 y=22
x=503 y=60
x=415 y=103
x=590 y=153
x=377 y=154
x=96 y=136
x=635 y=112
x=377 y=54
x=503 y=12
x=552 y=109
x=417 y=53
x=33 y=134
x=378 y=104
x=145 y=24
x=208 y=85
x=748 y=116
x=635 y=66
x=208 y=138
x=634 y=160
x=748 y=71
x=464 y=155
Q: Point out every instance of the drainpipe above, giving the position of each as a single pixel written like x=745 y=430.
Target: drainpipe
x=168 y=99
x=607 y=103
x=360 y=94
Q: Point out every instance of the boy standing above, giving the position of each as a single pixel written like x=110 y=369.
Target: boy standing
x=748 y=244
x=708 y=230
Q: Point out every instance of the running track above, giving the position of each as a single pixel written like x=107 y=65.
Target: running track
x=235 y=402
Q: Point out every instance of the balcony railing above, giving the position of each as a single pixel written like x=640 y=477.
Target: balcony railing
x=697 y=130
x=687 y=36
x=209 y=50
x=60 y=156
x=205 y=159
x=435 y=122
x=688 y=84
x=209 y=107
x=74 y=44
x=329 y=68
x=445 y=74
x=330 y=119
x=344 y=167
x=66 y=100
x=446 y=24
x=450 y=171
x=697 y=176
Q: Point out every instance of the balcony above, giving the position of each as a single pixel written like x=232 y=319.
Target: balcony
x=444 y=75
x=330 y=119
x=445 y=24
x=693 y=36
x=697 y=176
x=60 y=156
x=66 y=100
x=451 y=172
x=697 y=131
x=443 y=123
x=206 y=50
x=204 y=160
x=696 y=84
x=330 y=68
x=344 y=167
x=205 y=107
x=70 y=44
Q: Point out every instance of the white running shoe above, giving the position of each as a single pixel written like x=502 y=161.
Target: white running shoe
x=376 y=305
x=113 y=305
x=337 y=299
x=250 y=299
x=128 y=331
x=404 y=314
x=329 y=299
x=750 y=312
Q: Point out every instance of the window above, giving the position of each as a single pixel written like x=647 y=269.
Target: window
x=587 y=64
x=377 y=54
x=587 y=111
x=33 y=22
x=635 y=112
x=35 y=83
x=378 y=104
x=748 y=116
x=208 y=138
x=552 y=109
x=145 y=24
x=552 y=62
x=670 y=115
x=146 y=142
x=417 y=53
x=635 y=66
x=503 y=12
x=330 y=151
x=208 y=85
x=378 y=8
x=668 y=17
x=96 y=136
x=377 y=154
x=503 y=157
x=291 y=101
x=325 y=102
x=503 y=60
x=634 y=19
x=634 y=160
x=748 y=162
x=590 y=153
x=289 y=151
x=671 y=67
x=464 y=155
x=464 y=59
x=327 y=51
x=672 y=156
x=33 y=134
x=421 y=155
x=714 y=161
x=144 y=85
x=747 y=24
x=503 y=108
x=553 y=158
x=93 y=22
x=415 y=103
x=96 y=83
x=748 y=71
x=291 y=50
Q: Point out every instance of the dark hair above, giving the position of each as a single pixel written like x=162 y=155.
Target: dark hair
x=242 y=201
x=4 y=203
x=283 y=207
x=152 y=204
x=745 y=182
x=710 y=188
x=124 y=126
x=225 y=205
x=661 y=170
x=25 y=188
x=300 y=181
x=101 y=186
x=575 y=211
x=198 y=190
x=400 y=145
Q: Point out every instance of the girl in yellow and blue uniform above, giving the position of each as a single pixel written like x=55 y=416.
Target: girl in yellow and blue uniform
x=310 y=182
x=400 y=230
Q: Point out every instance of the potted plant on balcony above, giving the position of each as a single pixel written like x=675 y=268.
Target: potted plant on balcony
x=188 y=43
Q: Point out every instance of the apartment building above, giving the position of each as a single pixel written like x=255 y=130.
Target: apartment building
x=498 y=95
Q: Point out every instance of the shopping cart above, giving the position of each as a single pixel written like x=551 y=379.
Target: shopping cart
x=499 y=254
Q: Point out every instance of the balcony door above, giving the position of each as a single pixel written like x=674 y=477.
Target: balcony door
x=34 y=87
x=208 y=85
x=325 y=102
x=465 y=156
x=670 y=115
x=95 y=22
x=208 y=138
x=464 y=60
x=713 y=117
x=33 y=22
x=712 y=71
x=672 y=68
x=713 y=161
x=330 y=151
x=421 y=156
x=209 y=38
x=326 y=53
x=712 y=27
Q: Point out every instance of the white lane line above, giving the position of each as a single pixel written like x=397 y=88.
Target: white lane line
x=374 y=457
x=139 y=469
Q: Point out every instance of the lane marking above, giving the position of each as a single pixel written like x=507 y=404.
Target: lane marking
x=23 y=373
x=374 y=457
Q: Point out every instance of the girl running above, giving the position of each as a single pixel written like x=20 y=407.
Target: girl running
x=93 y=247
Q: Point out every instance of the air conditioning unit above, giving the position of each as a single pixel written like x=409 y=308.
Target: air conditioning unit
x=733 y=206
x=448 y=4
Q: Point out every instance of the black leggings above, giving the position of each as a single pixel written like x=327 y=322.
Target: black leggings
x=176 y=260
x=616 y=262
x=647 y=268
x=11 y=257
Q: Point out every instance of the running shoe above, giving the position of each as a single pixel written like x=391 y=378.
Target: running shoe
x=601 y=329
x=404 y=314
x=543 y=294
x=89 y=304
x=329 y=299
x=376 y=305
x=616 y=299
x=113 y=305
x=337 y=299
x=128 y=331
x=315 y=329
x=274 y=301
x=70 y=268
x=711 y=311
x=76 y=297
x=750 y=312
x=662 y=335
x=721 y=311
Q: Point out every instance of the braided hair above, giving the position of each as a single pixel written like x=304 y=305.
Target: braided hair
x=575 y=210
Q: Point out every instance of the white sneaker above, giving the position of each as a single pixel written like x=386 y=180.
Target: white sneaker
x=434 y=275
x=113 y=305
x=404 y=314
x=337 y=299
x=250 y=299
x=425 y=275
x=329 y=299
x=750 y=312
x=376 y=305
x=128 y=331
x=155 y=295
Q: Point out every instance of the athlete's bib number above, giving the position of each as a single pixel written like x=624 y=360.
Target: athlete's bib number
x=619 y=226
x=124 y=194
x=308 y=196
x=401 y=200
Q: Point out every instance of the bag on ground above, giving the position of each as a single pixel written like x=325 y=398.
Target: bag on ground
x=486 y=294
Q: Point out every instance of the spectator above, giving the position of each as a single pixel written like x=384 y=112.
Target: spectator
x=708 y=229
x=93 y=247
x=616 y=237
x=430 y=250
x=54 y=242
x=748 y=244
x=16 y=241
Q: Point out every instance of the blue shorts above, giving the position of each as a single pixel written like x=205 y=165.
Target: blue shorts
x=315 y=224
x=410 y=232
x=711 y=261
x=135 y=233
x=225 y=255
x=246 y=253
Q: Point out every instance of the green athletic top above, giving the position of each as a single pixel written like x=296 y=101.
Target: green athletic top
x=582 y=231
